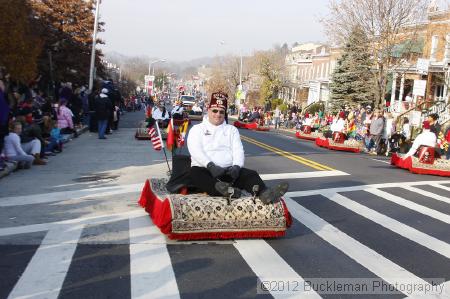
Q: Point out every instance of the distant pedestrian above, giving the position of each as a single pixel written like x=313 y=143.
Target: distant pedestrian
x=277 y=117
x=102 y=110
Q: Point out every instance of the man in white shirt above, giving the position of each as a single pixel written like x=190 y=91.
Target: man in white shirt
x=217 y=158
x=161 y=115
x=177 y=111
x=338 y=124
x=426 y=138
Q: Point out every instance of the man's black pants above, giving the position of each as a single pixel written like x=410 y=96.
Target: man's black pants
x=204 y=182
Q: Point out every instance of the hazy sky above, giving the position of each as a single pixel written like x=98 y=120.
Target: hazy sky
x=187 y=29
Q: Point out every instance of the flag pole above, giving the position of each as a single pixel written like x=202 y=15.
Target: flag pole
x=167 y=161
x=163 y=148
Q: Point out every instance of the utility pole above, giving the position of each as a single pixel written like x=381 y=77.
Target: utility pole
x=94 y=43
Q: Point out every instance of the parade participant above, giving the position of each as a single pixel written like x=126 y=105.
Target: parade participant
x=254 y=116
x=426 y=138
x=350 y=126
x=218 y=158
x=197 y=109
x=177 y=111
x=338 y=124
x=435 y=127
x=160 y=114
x=307 y=121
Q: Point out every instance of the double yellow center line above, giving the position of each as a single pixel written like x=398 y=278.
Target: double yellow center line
x=288 y=155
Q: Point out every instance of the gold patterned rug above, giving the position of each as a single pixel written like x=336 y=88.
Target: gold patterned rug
x=199 y=216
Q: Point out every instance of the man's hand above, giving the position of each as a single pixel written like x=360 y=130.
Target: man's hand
x=234 y=172
x=216 y=171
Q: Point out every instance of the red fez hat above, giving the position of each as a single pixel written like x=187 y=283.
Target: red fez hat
x=307 y=115
x=218 y=100
x=426 y=125
x=342 y=114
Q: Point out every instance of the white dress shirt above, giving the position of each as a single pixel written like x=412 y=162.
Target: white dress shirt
x=426 y=138
x=177 y=110
x=307 y=121
x=338 y=125
x=158 y=114
x=219 y=144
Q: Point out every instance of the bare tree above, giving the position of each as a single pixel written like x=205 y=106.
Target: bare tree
x=385 y=22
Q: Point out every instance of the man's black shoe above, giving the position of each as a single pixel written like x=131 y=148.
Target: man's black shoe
x=224 y=188
x=270 y=195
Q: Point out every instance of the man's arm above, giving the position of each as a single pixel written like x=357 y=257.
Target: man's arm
x=195 y=147
x=237 y=148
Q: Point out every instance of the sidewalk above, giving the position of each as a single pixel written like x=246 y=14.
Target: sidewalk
x=11 y=166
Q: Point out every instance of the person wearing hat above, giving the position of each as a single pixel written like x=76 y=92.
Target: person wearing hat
x=426 y=138
x=160 y=114
x=217 y=157
x=177 y=111
x=103 y=108
x=338 y=124
x=435 y=127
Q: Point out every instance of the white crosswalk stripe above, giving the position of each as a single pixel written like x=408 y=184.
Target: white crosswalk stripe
x=445 y=199
x=152 y=273
x=410 y=205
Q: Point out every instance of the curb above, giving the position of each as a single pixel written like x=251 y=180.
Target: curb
x=11 y=166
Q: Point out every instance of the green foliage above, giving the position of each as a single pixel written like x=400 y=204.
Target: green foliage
x=353 y=82
x=316 y=107
x=284 y=108
x=275 y=103
x=269 y=70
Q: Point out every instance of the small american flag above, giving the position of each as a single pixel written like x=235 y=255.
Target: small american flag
x=155 y=138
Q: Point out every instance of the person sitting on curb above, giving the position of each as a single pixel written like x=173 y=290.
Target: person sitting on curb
x=218 y=158
x=26 y=153
x=426 y=138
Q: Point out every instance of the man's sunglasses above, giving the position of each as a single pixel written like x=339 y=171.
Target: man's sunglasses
x=217 y=110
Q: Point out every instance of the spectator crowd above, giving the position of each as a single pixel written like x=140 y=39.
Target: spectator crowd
x=34 y=124
x=377 y=130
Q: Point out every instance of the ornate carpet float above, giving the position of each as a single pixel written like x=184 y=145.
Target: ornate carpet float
x=424 y=163
x=305 y=132
x=199 y=216
x=250 y=126
x=339 y=143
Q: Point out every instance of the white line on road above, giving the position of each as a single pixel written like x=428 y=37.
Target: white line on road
x=428 y=194
x=151 y=269
x=45 y=274
x=65 y=195
x=396 y=226
x=269 y=266
x=302 y=175
x=361 y=187
x=382 y=161
x=7 y=231
x=440 y=186
x=411 y=205
x=363 y=255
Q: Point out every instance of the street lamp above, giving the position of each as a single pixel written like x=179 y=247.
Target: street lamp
x=150 y=66
x=94 y=42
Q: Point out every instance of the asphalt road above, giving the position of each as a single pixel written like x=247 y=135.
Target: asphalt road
x=72 y=228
